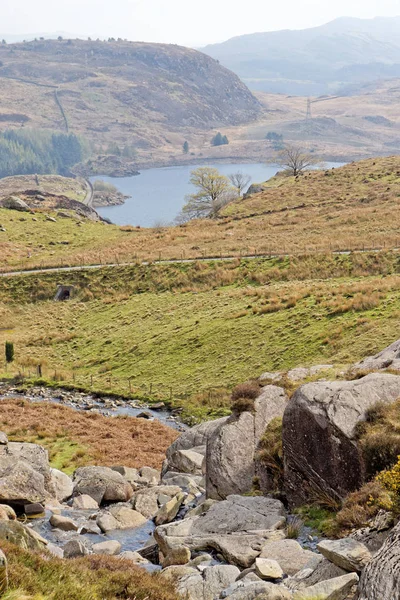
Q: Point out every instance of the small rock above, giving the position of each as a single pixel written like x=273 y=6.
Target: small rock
x=168 y=511
x=74 y=548
x=63 y=523
x=3 y=439
x=84 y=502
x=111 y=548
x=266 y=568
x=177 y=556
x=33 y=509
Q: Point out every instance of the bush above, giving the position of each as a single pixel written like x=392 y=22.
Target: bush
x=250 y=390
x=9 y=351
x=360 y=507
x=380 y=451
x=241 y=405
x=390 y=479
x=270 y=453
x=103 y=186
x=219 y=140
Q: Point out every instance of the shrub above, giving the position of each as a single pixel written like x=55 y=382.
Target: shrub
x=9 y=351
x=390 y=479
x=270 y=453
x=294 y=527
x=250 y=390
x=241 y=405
x=380 y=451
x=103 y=186
x=362 y=506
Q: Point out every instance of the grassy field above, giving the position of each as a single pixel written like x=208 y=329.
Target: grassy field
x=354 y=207
x=189 y=333
x=75 y=439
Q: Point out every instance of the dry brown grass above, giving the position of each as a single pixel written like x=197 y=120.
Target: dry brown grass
x=106 y=441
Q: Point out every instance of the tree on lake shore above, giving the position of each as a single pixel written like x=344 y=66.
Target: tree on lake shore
x=213 y=193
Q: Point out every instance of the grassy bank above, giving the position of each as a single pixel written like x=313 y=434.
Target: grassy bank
x=189 y=333
x=354 y=207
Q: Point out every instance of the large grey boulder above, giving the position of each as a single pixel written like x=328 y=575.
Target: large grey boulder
x=238 y=528
x=119 y=516
x=232 y=447
x=15 y=203
x=380 y=578
x=207 y=585
x=321 y=455
x=389 y=358
x=196 y=437
x=102 y=484
x=20 y=535
x=259 y=590
x=346 y=553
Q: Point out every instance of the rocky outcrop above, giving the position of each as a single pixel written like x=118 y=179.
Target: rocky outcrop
x=389 y=358
x=380 y=578
x=19 y=535
x=102 y=484
x=14 y=203
x=237 y=528
x=194 y=439
x=231 y=448
x=321 y=456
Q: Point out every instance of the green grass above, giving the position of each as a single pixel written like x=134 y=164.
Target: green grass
x=319 y=519
x=189 y=333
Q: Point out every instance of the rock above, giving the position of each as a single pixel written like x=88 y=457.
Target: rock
x=192 y=484
x=15 y=203
x=347 y=553
x=218 y=578
x=252 y=590
x=266 y=568
x=63 y=523
x=146 y=502
x=52 y=219
x=120 y=517
x=3 y=439
x=269 y=378
x=231 y=449
x=289 y=554
x=380 y=578
x=90 y=528
x=168 y=511
x=110 y=548
x=332 y=589
x=102 y=484
x=84 y=502
x=55 y=550
x=315 y=573
x=177 y=556
x=301 y=373
x=202 y=508
x=130 y=474
x=74 y=549
x=34 y=509
x=319 y=435
x=62 y=484
x=389 y=358
x=190 y=461
x=192 y=438
x=150 y=476
x=237 y=528
x=20 y=535
x=7 y=513
x=134 y=557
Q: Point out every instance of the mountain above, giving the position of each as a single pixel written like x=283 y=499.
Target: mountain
x=316 y=61
x=128 y=95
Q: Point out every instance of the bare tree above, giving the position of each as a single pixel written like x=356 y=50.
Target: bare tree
x=294 y=160
x=240 y=181
x=213 y=192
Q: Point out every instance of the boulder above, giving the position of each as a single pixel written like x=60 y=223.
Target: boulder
x=7 y=513
x=74 y=549
x=380 y=578
x=102 y=484
x=191 y=461
x=120 y=517
x=62 y=485
x=3 y=573
x=150 y=476
x=63 y=523
x=146 y=501
x=177 y=556
x=168 y=511
x=259 y=590
x=110 y=548
x=192 y=438
x=389 y=358
x=20 y=535
x=267 y=568
x=231 y=448
x=3 y=439
x=134 y=557
x=321 y=455
x=15 y=203
x=34 y=509
x=208 y=585
x=237 y=528
x=289 y=554
x=347 y=553
x=84 y=502
x=332 y=589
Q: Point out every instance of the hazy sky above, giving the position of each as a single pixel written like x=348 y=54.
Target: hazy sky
x=190 y=22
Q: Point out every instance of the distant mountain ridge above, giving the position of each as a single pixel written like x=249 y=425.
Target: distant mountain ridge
x=316 y=61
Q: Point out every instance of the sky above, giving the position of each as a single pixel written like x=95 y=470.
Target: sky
x=186 y=22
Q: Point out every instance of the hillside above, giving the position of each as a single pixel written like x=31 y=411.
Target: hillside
x=127 y=95
x=349 y=208
x=315 y=61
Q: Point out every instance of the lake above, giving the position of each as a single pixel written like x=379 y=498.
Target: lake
x=157 y=195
